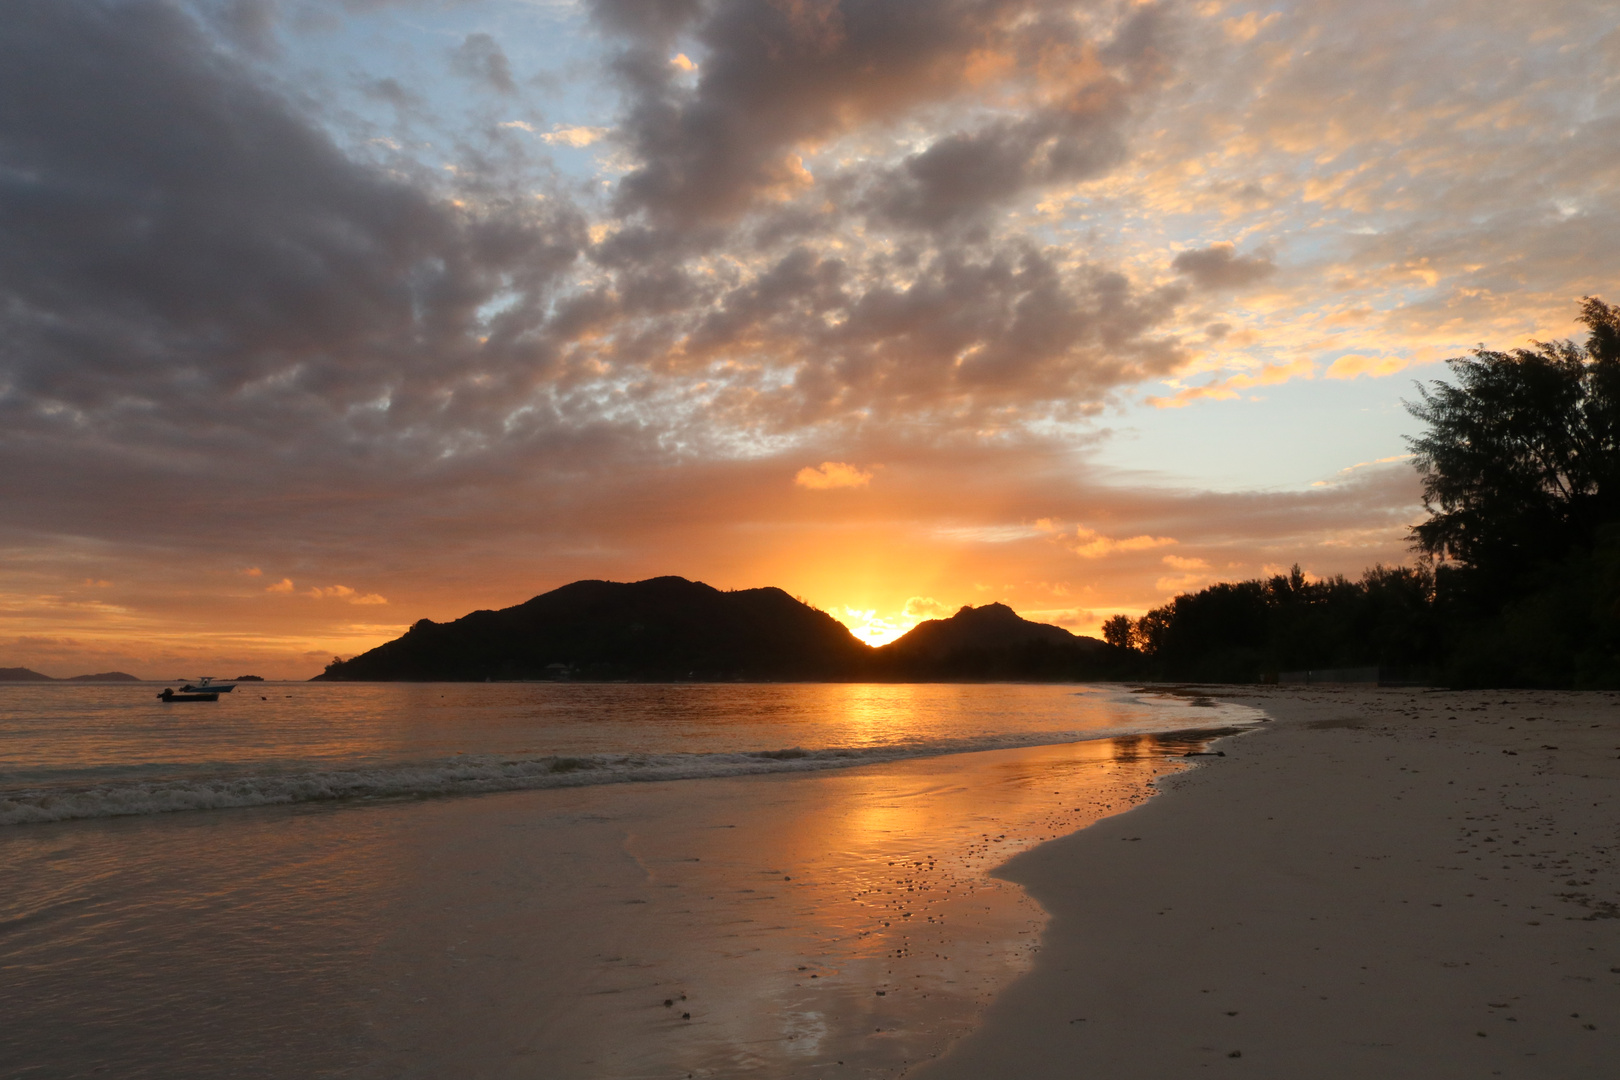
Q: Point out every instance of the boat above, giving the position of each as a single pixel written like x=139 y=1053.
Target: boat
x=169 y=695
x=207 y=685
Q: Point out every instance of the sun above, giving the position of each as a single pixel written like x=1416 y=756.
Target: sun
x=875 y=629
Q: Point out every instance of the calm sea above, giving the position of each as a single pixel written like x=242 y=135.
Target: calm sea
x=100 y=750
x=303 y=880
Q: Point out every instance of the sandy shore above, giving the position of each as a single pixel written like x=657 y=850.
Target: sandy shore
x=1380 y=883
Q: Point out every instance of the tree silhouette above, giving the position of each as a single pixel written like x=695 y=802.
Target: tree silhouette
x=1521 y=461
x=1117 y=631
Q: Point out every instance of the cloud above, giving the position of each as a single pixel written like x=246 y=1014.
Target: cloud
x=480 y=59
x=573 y=136
x=1220 y=267
x=781 y=80
x=344 y=592
x=1093 y=545
x=926 y=607
x=1228 y=388
x=285 y=585
x=247 y=310
x=1353 y=365
x=1179 y=563
x=1351 y=471
x=832 y=474
x=1181 y=584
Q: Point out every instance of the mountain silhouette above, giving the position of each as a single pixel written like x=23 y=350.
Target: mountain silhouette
x=663 y=628
x=670 y=628
x=22 y=674
x=994 y=642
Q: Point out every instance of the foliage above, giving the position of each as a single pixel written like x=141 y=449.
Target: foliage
x=1117 y=631
x=1242 y=631
x=1520 y=585
x=1521 y=459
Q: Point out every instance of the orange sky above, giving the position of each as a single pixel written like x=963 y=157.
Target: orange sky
x=320 y=319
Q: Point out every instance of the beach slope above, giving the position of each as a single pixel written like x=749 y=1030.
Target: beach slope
x=1388 y=883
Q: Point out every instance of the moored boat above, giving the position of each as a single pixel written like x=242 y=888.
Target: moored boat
x=206 y=685
x=169 y=695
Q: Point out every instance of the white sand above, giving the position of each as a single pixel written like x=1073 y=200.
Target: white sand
x=1371 y=886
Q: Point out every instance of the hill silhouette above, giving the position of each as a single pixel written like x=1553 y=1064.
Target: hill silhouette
x=22 y=674
x=994 y=642
x=662 y=628
x=670 y=628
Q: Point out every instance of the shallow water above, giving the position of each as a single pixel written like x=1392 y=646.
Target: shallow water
x=100 y=750
x=539 y=933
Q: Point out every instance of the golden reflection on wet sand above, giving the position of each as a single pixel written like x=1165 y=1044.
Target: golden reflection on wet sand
x=789 y=922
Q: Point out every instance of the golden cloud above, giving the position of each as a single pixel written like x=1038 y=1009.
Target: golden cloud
x=1093 y=545
x=343 y=592
x=1353 y=365
x=926 y=607
x=285 y=585
x=1226 y=389
x=1180 y=584
x=832 y=474
x=570 y=136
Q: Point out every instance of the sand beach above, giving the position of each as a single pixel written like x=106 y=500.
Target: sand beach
x=1378 y=883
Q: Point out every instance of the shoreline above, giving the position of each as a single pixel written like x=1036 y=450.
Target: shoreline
x=1378 y=883
x=841 y=922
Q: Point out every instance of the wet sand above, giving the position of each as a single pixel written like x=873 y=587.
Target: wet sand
x=1379 y=883
x=839 y=923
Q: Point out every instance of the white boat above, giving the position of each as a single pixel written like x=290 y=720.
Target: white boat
x=206 y=685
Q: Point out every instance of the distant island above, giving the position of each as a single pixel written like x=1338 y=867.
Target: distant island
x=22 y=674
x=669 y=628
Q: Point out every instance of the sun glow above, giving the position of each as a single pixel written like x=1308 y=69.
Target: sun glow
x=875 y=629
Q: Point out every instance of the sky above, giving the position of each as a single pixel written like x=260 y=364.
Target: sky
x=320 y=317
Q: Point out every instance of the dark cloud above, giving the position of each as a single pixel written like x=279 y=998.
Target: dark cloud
x=965 y=174
x=480 y=59
x=1219 y=266
x=779 y=79
x=183 y=250
x=392 y=92
x=201 y=290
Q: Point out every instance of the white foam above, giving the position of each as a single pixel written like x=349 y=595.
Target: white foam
x=470 y=774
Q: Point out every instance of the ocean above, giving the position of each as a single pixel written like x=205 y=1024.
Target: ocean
x=536 y=880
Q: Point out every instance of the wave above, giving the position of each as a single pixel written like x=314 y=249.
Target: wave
x=477 y=774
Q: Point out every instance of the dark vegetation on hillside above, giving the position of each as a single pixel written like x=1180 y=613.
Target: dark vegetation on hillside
x=1519 y=576
x=669 y=628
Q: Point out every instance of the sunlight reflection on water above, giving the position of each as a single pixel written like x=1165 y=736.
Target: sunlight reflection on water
x=540 y=933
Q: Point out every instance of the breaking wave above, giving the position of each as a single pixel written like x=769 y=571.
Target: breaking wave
x=474 y=774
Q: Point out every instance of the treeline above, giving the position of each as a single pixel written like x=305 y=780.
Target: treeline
x=1246 y=631
x=1519 y=575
